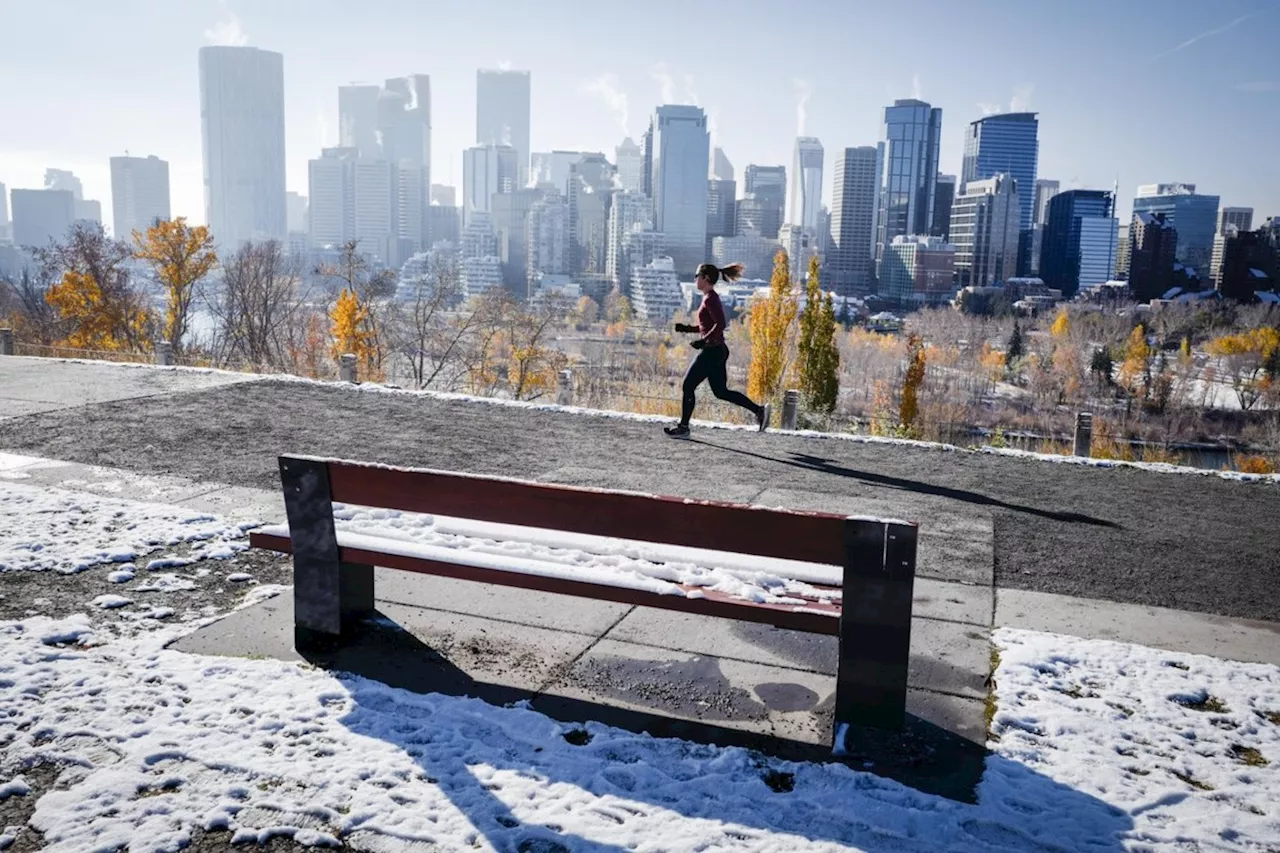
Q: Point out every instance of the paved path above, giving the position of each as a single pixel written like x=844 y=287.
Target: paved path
x=1197 y=543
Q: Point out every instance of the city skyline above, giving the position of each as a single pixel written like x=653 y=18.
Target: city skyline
x=589 y=98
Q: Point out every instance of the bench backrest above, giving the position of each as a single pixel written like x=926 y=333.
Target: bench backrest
x=783 y=534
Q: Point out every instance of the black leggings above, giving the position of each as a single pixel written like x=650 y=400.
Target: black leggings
x=711 y=365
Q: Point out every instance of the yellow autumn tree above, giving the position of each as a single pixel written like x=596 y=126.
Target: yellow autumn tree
x=350 y=330
x=1246 y=357
x=94 y=321
x=1061 y=325
x=770 y=324
x=909 y=404
x=1137 y=359
x=180 y=255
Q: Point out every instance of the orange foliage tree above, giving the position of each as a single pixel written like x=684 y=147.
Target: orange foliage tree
x=180 y=255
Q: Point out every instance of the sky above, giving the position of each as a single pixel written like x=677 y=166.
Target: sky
x=1126 y=91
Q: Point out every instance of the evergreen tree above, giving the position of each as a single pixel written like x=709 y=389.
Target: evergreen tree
x=1016 y=348
x=818 y=355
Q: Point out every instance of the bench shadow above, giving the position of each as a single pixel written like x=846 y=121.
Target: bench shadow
x=808 y=462
x=924 y=757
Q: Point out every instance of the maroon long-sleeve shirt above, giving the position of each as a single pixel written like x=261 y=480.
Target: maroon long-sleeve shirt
x=711 y=319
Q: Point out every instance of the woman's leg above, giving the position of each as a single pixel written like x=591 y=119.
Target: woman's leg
x=718 y=379
x=692 y=379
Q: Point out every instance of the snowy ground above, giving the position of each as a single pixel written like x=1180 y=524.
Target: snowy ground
x=1095 y=745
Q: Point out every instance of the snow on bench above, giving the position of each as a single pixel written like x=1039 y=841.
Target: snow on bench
x=850 y=577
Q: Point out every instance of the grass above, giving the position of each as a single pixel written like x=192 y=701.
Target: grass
x=1273 y=717
x=989 y=705
x=1192 y=781
x=1249 y=756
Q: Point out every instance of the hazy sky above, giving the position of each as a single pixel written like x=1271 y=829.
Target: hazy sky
x=1182 y=90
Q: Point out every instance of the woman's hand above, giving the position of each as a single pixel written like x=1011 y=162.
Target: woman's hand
x=698 y=344
x=685 y=328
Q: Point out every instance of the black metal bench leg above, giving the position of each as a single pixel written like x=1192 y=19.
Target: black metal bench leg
x=329 y=597
x=875 y=627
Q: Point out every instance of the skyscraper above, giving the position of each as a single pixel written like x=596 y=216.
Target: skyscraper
x=630 y=164
x=296 y=212
x=985 y=222
x=805 y=208
x=1007 y=144
x=721 y=209
x=373 y=209
x=42 y=216
x=1240 y=217
x=511 y=227
x=767 y=186
x=590 y=186
x=329 y=187
x=681 y=151
x=358 y=119
x=853 y=216
x=1152 y=245
x=87 y=210
x=1079 y=240
x=242 y=123
x=629 y=213
x=547 y=239
x=1045 y=191
x=721 y=168
x=1193 y=216
x=502 y=115
x=908 y=171
x=943 y=197
x=486 y=169
x=139 y=193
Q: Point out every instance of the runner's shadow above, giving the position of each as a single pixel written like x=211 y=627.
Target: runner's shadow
x=634 y=772
x=807 y=462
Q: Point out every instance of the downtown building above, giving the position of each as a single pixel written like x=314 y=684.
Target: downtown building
x=1007 y=144
x=630 y=214
x=985 y=227
x=1193 y=216
x=907 y=173
x=680 y=150
x=242 y=130
x=1044 y=193
x=850 y=256
x=1080 y=241
x=502 y=115
x=918 y=270
x=805 y=207
x=1152 y=254
x=762 y=208
x=139 y=194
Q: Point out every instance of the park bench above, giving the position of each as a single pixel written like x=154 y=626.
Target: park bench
x=871 y=613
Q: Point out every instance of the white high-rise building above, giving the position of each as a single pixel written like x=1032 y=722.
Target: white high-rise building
x=681 y=154
x=631 y=211
x=1239 y=218
x=502 y=115
x=805 y=209
x=985 y=221
x=480 y=275
x=331 y=192
x=242 y=123
x=374 y=204
x=547 y=238
x=630 y=163
x=358 y=119
x=487 y=169
x=853 y=220
x=655 y=291
x=479 y=240
x=139 y=194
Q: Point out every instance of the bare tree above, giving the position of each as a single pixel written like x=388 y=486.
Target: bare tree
x=23 y=301
x=260 y=308
x=432 y=337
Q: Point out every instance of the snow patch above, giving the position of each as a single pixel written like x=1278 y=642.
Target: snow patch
x=111 y=602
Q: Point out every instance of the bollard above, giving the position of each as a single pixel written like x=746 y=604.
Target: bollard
x=790 y=409
x=347 y=368
x=1084 y=434
x=564 y=396
x=6 y=341
x=164 y=353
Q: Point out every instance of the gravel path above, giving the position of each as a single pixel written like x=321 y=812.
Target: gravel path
x=1188 y=542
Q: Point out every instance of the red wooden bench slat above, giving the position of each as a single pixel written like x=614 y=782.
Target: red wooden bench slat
x=783 y=534
x=816 y=618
